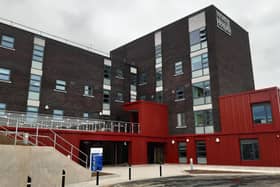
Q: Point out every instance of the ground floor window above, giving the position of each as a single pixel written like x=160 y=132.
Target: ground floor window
x=249 y=149
x=201 y=155
x=182 y=152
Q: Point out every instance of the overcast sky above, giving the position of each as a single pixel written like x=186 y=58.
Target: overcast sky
x=107 y=24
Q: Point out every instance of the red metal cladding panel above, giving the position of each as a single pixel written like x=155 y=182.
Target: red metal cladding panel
x=236 y=112
x=153 y=117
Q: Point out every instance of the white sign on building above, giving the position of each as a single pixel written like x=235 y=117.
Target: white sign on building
x=223 y=23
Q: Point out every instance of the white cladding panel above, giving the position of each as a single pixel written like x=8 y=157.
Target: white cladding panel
x=197 y=21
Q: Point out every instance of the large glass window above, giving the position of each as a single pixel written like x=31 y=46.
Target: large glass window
x=201 y=93
x=88 y=90
x=178 y=68
x=33 y=95
x=8 y=41
x=249 y=149
x=38 y=53
x=198 y=39
x=5 y=74
x=203 y=118
x=200 y=65
x=35 y=82
x=60 y=85
x=142 y=78
x=181 y=120
x=158 y=51
x=180 y=93
x=107 y=72
x=159 y=97
x=58 y=114
x=2 y=109
x=31 y=114
x=106 y=96
x=262 y=113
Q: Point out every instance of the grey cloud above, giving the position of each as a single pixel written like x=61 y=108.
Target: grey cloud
x=108 y=24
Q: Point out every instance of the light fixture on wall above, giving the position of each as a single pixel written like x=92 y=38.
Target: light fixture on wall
x=187 y=140
x=217 y=140
x=47 y=107
x=124 y=143
x=173 y=141
x=277 y=136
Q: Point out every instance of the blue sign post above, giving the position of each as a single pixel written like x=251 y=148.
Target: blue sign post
x=96 y=159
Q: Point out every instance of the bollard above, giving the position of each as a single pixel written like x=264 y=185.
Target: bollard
x=63 y=178
x=28 y=184
x=160 y=169
x=129 y=172
x=191 y=163
x=97 y=178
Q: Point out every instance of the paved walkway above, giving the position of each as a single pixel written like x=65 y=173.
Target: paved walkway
x=140 y=172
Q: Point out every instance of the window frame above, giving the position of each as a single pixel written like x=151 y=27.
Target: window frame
x=180 y=96
x=60 y=84
x=88 y=91
x=250 y=142
x=5 y=74
x=178 y=68
x=181 y=120
x=265 y=105
x=12 y=47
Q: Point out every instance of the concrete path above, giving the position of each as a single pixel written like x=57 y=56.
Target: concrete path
x=140 y=172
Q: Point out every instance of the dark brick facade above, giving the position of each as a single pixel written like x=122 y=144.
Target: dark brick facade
x=229 y=63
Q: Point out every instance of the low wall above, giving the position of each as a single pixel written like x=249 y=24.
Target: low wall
x=43 y=164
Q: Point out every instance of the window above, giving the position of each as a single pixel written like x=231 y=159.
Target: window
x=106 y=96
x=262 y=113
x=249 y=149
x=38 y=53
x=198 y=39
x=201 y=93
x=58 y=114
x=5 y=74
x=7 y=41
x=119 y=96
x=203 y=118
x=31 y=114
x=158 y=51
x=119 y=73
x=200 y=65
x=133 y=79
x=142 y=78
x=107 y=72
x=33 y=95
x=159 y=97
x=178 y=68
x=2 y=109
x=85 y=115
x=201 y=153
x=35 y=82
x=142 y=97
x=181 y=120
x=88 y=91
x=60 y=85
x=182 y=152
x=180 y=93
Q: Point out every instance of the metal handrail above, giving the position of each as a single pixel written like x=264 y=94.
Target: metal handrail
x=53 y=141
x=32 y=120
x=72 y=147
